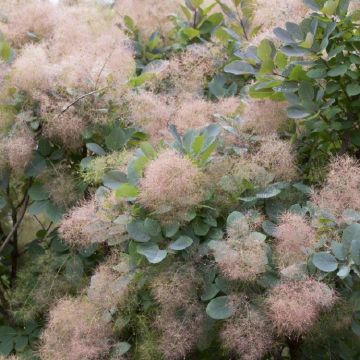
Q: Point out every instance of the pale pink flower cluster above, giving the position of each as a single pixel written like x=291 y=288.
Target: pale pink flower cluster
x=155 y=112
x=75 y=331
x=149 y=15
x=248 y=335
x=19 y=150
x=263 y=117
x=181 y=317
x=35 y=17
x=294 y=307
x=277 y=156
x=294 y=237
x=341 y=190
x=151 y=112
x=67 y=129
x=72 y=229
x=80 y=47
x=185 y=73
x=107 y=288
x=171 y=186
x=32 y=70
x=272 y=13
x=241 y=259
x=62 y=189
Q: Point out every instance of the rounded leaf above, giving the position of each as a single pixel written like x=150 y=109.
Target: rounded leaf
x=181 y=243
x=325 y=262
x=220 y=308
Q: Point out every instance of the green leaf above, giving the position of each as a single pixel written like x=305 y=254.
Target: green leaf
x=210 y=291
x=343 y=272
x=37 y=192
x=95 y=148
x=353 y=89
x=38 y=207
x=325 y=262
x=152 y=252
x=148 y=150
x=171 y=229
x=316 y=73
x=355 y=251
x=269 y=227
x=113 y=179
x=127 y=192
x=200 y=228
x=265 y=50
x=190 y=33
x=74 y=269
x=234 y=216
x=330 y=7
x=306 y=91
x=268 y=193
x=119 y=349
x=53 y=212
x=152 y=227
x=198 y=144
x=6 y=346
x=337 y=70
x=302 y=188
x=181 y=243
x=136 y=230
x=280 y=60
x=220 y=308
x=338 y=250
x=350 y=233
x=297 y=112
x=21 y=342
x=239 y=68
x=116 y=139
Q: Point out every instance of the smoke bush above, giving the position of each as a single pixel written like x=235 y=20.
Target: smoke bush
x=75 y=331
x=171 y=181
x=294 y=307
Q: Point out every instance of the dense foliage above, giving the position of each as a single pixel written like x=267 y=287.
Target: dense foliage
x=179 y=180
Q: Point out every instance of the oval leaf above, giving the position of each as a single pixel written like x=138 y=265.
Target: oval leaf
x=220 y=308
x=325 y=262
x=181 y=243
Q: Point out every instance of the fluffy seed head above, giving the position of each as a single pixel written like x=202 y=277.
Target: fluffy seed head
x=277 y=157
x=62 y=190
x=75 y=331
x=151 y=112
x=342 y=187
x=263 y=117
x=36 y=17
x=107 y=289
x=181 y=317
x=185 y=73
x=241 y=258
x=66 y=129
x=248 y=335
x=73 y=226
x=294 y=307
x=274 y=13
x=32 y=71
x=19 y=149
x=171 y=186
x=294 y=235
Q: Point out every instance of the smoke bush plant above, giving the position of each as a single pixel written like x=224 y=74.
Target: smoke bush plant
x=196 y=239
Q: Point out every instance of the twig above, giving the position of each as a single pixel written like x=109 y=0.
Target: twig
x=80 y=98
x=17 y=224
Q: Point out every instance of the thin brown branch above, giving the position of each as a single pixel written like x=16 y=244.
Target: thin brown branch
x=80 y=98
x=17 y=224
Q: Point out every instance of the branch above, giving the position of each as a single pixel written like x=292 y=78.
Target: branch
x=80 y=98
x=17 y=224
